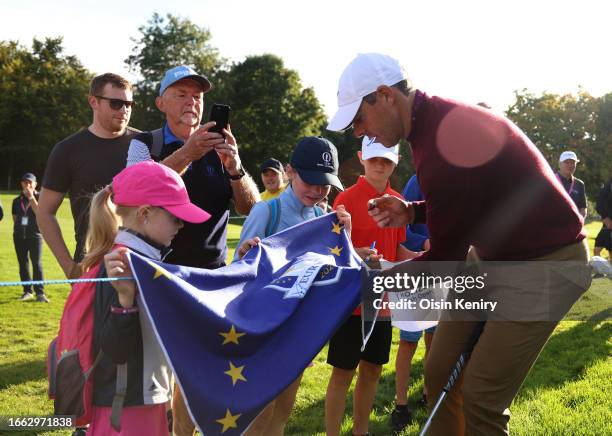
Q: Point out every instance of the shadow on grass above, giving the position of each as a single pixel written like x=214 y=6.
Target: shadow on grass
x=312 y=417
x=568 y=353
x=22 y=372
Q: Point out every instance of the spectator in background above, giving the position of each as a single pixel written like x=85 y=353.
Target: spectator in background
x=27 y=237
x=604 y=209
x=417 y=235
x=568 y=161
x=273 y=178
x=85 y=162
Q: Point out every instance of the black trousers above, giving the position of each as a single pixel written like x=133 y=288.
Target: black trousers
x=33 y=248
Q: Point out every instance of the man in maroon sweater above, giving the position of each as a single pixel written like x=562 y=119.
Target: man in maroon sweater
x=487 y=187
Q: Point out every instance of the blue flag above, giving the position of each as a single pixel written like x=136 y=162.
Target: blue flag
x=237 y=336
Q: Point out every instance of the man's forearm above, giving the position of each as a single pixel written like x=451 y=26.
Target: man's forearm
x=245 y=193
x=178 y=161
x=52 y=233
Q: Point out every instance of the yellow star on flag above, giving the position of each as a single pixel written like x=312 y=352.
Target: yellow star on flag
x=336 y=228
x=228 y=421
x=159 y=271
x=235 y=373
x=231 y=336
x=336 y=250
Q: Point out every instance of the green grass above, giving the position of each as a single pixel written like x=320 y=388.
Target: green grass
x=567 y=392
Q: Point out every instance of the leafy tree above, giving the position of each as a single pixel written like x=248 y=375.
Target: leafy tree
x=33 y=85
x=580 y=123
x=167 y=42
x=271 y=109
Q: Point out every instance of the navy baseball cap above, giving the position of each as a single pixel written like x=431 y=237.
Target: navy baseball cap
x=316 y=161
x=181 y=72
x=28 y=176
x=272 y=164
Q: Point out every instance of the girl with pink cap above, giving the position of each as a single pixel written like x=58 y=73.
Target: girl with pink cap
x=142 y=210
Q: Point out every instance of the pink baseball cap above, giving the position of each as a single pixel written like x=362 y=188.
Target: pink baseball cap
x=155 y=184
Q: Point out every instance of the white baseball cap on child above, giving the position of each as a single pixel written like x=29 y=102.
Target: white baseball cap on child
x=371 y=149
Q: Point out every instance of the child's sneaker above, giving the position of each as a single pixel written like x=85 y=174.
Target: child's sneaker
x=400 y=418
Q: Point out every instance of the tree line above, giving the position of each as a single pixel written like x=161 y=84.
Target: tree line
x=43 y=100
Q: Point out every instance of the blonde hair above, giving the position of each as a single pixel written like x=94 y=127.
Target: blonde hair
x=104 y=221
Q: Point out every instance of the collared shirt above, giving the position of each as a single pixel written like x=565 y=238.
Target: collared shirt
x=267 y=195
x=292 y=212
x=208 y=185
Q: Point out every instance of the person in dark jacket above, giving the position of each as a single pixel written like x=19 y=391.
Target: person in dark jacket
x=27 y=238
x=604 y=209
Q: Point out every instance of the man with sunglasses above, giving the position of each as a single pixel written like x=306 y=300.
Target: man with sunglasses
x=487 y=187
x=83 y=163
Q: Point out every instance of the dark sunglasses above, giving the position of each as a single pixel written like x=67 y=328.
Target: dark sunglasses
x=116 y=103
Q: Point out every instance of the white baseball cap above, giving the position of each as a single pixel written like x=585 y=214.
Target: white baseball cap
x=361 y=77
x=568 y=155
x=370 y=149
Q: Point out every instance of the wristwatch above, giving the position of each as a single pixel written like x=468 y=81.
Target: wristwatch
x=238 y=176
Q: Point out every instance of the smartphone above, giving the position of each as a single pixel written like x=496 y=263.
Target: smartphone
x=220 y=114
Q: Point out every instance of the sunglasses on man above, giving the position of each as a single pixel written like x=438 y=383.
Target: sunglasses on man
x=116 y=103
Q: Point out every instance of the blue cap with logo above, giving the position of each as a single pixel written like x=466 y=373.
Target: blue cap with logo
x=316 y=161
x=181 y=72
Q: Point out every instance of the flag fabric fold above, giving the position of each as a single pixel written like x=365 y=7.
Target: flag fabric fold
x=237 y=336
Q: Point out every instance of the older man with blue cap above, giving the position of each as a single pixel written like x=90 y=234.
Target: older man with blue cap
x=211 y=168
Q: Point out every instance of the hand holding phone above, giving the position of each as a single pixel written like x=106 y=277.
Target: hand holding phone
x=219 y=113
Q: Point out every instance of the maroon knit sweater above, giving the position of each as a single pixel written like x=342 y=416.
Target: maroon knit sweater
x=485 y=185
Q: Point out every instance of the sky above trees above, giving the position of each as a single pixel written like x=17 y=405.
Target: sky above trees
x=474 y=51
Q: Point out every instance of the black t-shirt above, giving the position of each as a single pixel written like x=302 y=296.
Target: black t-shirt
x=25 y=226
x=577 y=192
x=81 y=165
x=201 y=245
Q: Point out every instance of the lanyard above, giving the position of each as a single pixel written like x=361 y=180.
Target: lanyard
x=569 y=191
x=25 y=208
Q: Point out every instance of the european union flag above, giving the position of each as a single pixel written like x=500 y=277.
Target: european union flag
x=238 y=336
